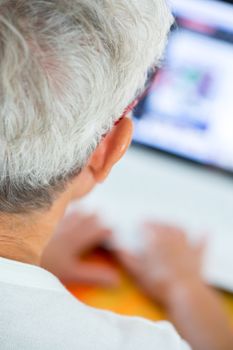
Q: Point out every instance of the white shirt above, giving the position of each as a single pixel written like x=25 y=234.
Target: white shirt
x=37 y=312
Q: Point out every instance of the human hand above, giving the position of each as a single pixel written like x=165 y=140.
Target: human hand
x=76 y=236
x=168 y=260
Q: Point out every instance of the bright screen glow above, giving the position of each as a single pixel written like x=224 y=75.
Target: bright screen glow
x=189 y=109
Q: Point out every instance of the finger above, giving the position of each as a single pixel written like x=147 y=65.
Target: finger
x=90 y=273
x=160 y=234
x=85 y=232
x=68 y=221
x=74 y=212
x=75 y=220
x=157 y=226
x=93 y=238
x=200 y=248
x=130 y=262
x=162 y=228
x=161 y=239
x=72 y=222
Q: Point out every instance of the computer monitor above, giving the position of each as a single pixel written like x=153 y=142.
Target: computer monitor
x=188 y=111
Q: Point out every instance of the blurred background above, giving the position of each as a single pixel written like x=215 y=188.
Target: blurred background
x=179 y=168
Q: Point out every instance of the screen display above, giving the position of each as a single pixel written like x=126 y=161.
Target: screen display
x=188 y=111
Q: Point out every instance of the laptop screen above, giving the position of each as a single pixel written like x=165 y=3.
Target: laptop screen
x=189 y=108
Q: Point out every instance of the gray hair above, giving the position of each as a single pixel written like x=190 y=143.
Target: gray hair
x=68 y=69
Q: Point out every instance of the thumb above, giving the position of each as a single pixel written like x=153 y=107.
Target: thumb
x=130 y=262
x=94 y=274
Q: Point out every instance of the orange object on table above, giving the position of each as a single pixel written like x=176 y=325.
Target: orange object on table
x=127 y=299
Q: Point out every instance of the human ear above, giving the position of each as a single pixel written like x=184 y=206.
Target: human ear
x=111 y=149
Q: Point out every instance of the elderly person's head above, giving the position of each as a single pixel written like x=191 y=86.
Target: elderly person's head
x=68 y=70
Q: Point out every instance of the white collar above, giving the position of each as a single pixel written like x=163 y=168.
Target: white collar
x=21 y=274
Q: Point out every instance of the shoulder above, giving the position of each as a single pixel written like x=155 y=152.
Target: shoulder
x=134 y=333
x=110 y=331
x=67 y=323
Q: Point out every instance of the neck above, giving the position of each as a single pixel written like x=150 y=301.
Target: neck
x=24 y=237
x=24 y=240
